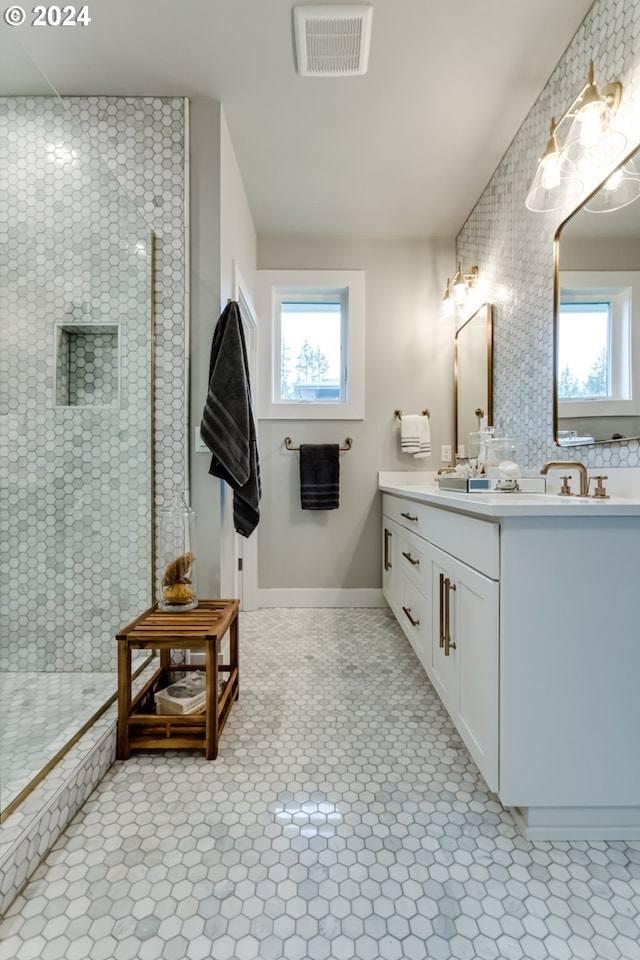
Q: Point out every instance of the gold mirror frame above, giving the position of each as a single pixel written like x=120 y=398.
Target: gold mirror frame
x=635 y=153
x=481 y=406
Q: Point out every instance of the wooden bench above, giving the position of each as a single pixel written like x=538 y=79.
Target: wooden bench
x=139 y=726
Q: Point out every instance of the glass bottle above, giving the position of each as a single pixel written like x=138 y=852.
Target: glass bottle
x=175 y=577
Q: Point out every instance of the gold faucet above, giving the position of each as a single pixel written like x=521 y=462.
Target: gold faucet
x=574 y=465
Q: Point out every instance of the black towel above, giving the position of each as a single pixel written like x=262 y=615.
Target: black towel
x=227 y=425
x=319 y=476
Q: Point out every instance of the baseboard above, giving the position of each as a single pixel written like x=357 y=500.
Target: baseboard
x=338 y=597
x=577 y=823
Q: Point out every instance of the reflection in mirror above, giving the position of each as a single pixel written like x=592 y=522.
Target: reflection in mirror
x=596 y=394
x=75 y=424
x=473 y=370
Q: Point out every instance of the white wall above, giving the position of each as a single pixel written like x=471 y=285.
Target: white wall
x=222 y=232
x=237 y=232
x=317 y=558
x=238 y=255
x=205 y=124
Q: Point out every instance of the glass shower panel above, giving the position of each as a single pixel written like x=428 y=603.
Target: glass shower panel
x=76 y=485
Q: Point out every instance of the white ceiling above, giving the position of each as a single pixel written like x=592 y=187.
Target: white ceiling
x=402 y=152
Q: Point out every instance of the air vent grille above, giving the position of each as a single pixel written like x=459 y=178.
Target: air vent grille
x=333 y=41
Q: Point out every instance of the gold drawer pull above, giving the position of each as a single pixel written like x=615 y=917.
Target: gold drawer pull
x=441 y=609
x=408 y=516
x=414 y=623
x=408 y=557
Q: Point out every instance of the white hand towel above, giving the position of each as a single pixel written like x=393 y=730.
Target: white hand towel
x=415 y=436
x=424 y=434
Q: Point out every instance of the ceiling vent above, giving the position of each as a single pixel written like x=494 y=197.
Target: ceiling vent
x=333 y=41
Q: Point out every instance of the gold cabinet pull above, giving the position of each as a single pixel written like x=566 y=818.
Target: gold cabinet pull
x=448 y=643
x=407 y=556
x=387 y=538
x=408 y=516
x=407 y=611
x=441 y=610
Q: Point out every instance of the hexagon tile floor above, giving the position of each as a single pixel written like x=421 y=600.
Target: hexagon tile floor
x=342 y=819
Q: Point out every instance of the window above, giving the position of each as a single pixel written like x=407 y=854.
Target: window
x=311 y=344
x=595 y=346
x=584 y=351
x=312 y=357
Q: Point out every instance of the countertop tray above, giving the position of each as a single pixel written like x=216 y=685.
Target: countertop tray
x=485 y=485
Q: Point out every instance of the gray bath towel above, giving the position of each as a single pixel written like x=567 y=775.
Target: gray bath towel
x=227 y=425
x=319 y=476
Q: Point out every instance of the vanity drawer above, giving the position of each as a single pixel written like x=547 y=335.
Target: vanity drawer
x=412 y=559
x=414 y=616
x=474 y=541
x=407 y=513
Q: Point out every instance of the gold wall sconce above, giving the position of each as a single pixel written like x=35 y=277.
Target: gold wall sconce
x=579 y=143
x=460 y=284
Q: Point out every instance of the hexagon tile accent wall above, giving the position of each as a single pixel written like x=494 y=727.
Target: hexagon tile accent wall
x=514 y=247
x=84 y=265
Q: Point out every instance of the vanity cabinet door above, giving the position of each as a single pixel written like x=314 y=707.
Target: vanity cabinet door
x=391 y=568
x=443 y=670
x=465 y=656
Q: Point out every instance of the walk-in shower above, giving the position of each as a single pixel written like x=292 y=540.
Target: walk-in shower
x=76 y=409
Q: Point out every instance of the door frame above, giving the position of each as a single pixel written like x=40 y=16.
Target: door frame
x=233 y=547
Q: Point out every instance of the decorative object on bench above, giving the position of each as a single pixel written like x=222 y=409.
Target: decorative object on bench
x=175 y=590
x=176 y=585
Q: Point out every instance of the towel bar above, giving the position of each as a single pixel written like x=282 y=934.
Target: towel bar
x=398 y=413
x=348 y=443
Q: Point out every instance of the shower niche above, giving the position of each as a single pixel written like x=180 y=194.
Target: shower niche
x=87 y=365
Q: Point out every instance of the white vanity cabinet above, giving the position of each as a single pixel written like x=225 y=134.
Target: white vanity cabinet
x=448 y=610
x=523 y=612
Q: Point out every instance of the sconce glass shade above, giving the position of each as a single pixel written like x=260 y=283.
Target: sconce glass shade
x=621 y=189
x=591 y=161
x=590 y=149
x=459 y=287
x=589 y=123
x=594 y=111
x=556 y=183
x=554 y=188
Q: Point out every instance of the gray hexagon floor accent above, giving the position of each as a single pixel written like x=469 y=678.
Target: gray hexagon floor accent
x=342 y=819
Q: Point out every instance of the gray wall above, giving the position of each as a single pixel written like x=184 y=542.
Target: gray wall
x=514 y=247
x=409 y=364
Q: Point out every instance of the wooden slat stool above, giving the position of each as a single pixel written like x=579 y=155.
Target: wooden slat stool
x=139 y=726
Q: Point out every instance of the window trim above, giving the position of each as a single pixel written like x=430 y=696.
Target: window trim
x=274 y=285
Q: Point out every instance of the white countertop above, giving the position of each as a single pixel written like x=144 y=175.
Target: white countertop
x=424 y=489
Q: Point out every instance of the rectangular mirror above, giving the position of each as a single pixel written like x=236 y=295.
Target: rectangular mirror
x=473 y=375
x=596 y=393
